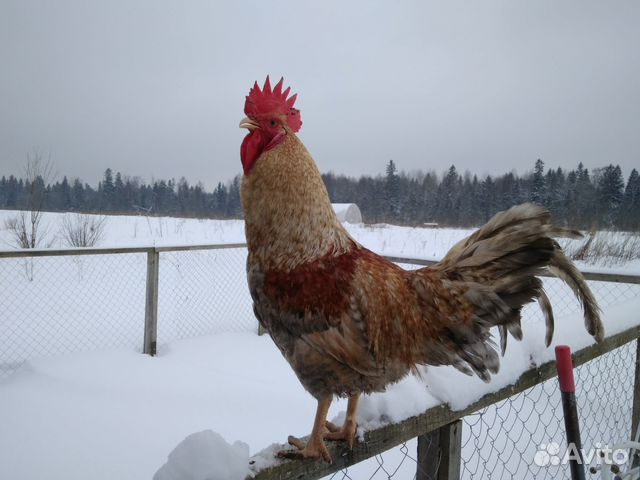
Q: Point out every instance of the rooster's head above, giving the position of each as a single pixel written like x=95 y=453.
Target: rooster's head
x=270 y=116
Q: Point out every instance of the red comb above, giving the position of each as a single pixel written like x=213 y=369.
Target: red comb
x=268 y=101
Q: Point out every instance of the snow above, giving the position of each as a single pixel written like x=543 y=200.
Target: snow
x=141 y=231
x=118 y=413
x=105 y=410
x=206 y=456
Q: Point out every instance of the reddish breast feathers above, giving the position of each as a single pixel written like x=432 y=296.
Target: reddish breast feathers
x=323 y=286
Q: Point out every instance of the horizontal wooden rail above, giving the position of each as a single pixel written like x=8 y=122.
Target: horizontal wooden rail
x=49 y=252
x=61 y=252
x=183 y=248
x=382 y=439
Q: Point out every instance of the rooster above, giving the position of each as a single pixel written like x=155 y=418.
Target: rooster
x=350 y=322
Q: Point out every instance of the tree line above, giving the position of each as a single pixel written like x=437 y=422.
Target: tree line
x=578 y=198
x=119 y=194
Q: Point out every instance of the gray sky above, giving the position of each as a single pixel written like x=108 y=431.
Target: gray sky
x=156 y=88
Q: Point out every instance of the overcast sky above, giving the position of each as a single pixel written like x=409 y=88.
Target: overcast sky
x=156 y=88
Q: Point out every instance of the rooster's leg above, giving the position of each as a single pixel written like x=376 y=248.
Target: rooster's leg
x=348 y=430
x=315 y=447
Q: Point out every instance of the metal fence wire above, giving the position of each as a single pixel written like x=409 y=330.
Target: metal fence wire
x=54 y=305
x=63 y=304
x=203 y=292
x=524 y=437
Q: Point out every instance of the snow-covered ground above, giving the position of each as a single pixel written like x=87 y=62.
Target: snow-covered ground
x=121 y=230
x=94 y=406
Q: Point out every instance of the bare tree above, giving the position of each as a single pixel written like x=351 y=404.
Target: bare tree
x=26 y=226
x=17 y=227
x=82 y=230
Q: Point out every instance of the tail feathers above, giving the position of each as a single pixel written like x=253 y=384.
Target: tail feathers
x=547 y=311
x=564 y=269
x=502 y=329
x=514 y=328
x=500 y=264
x=482 y=359
x=479 y=357
x=470 y=352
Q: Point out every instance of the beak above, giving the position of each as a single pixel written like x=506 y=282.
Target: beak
x=249 y=124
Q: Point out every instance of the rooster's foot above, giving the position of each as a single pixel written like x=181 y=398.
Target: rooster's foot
x=347 y=433
x=314 y=449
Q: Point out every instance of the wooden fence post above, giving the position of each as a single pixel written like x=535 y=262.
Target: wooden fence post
x=151 y=304
x=439 y=453
x=635 y=412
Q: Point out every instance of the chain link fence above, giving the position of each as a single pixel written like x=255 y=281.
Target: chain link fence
x=203 y=292
x=72 y=302
x=55 y=305
x=522 y=437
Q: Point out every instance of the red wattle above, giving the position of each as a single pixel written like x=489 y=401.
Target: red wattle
x=253 y=145
x=251 y=148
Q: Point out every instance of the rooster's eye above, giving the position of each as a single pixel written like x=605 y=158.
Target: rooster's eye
x=272 y=123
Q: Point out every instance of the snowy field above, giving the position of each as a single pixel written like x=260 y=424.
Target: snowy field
x=86 y=403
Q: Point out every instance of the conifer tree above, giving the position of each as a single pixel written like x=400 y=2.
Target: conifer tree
x=630 y=209
x=610 y=194
x=392 y=191
x=538 y=186
x=107 y=190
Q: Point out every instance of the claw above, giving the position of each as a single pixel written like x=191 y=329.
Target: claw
x=315 y=447
x=312 y=450
x=296 y=442
x=331 y=427
x=291 y=454
x=347 y=433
